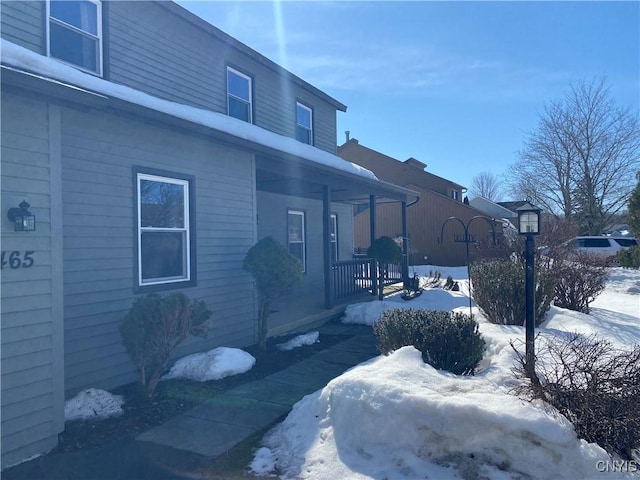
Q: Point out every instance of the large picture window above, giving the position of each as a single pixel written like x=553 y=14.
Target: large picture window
x=75 y=33
x=164 y=253
x=304 y=123
x=296 y=236
x=238 y=95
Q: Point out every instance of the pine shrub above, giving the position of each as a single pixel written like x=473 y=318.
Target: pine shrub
x=275 y=272
x=448 y=340
x=629 y=257
x=499 y=290
x=154 y=326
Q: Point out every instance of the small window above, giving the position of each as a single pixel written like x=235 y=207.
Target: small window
x=304 y=124
x=296 y=236
x=333 y=234
x=164 y=251
x=75 y=33
x=238 y=95
x=455 y=195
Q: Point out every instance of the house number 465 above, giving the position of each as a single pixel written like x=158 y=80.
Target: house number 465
x=17 y=259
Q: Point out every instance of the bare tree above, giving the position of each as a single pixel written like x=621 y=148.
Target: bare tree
x=485 y=185
x=581 y=160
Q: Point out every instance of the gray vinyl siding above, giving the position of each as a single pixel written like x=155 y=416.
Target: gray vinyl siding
x=169 y=57
x=23 y=24
x=272 y=215
x=99 y=152
x=32 y=359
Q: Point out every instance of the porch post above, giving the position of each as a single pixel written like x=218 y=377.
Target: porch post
x=326 y=246
x=405 y=245
x=372 y=229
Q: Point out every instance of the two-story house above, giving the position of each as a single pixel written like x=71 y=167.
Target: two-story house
x=432 y=239
x=153 y=150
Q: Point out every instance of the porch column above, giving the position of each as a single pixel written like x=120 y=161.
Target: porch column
x=405 y=247
x=372 y=229
x=326 y=246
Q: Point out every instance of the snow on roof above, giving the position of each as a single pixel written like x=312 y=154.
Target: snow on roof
x=20 y=57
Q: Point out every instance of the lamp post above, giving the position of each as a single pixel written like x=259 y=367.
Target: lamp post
x=529 y=225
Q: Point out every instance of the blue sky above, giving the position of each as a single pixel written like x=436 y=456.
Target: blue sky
x=456 y=85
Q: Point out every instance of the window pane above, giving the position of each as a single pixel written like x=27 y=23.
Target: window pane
x=163 y=255
x=296 y=224
x=83 y=15
x=304 y=116
x=297 y=250
x=303 y=135
x=238 y=109
x=74 y=47
x=238 y=86
x=162 y=204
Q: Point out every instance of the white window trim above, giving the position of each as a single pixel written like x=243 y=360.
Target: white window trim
x=310 y=127
x=97 y=37
x=186 y=229
x=229 y=94
x=334 y=221
x=304 y=236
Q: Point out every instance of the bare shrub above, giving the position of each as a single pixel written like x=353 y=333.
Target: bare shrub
x=499 y=290
x=594 y=385
x=581 y=278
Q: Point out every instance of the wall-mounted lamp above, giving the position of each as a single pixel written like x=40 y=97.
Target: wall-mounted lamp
x=23 y=220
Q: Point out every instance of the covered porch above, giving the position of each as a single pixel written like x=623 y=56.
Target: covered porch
x=323 y=192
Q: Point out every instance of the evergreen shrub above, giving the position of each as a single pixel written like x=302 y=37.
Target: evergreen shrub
x=154 y=326
x=629 y=257
x=448 y=341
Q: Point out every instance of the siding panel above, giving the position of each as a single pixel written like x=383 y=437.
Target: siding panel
x=99 y=255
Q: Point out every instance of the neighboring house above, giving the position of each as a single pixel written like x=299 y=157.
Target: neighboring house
x=154 y=151
x=429 y=242
x=494 y=209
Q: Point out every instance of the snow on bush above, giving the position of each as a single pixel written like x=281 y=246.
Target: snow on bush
x=212 y=365
x=93 y=404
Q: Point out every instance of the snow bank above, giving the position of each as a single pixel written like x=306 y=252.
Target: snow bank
x=396 y=417
x=212 y=365
x=93 y=404
x=299 y=341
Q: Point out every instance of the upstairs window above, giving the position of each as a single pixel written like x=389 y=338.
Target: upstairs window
x=304 y=124
x=455 y=195
x=238 y=95
x=296 y=237
x=75 y=33
x=164 y=233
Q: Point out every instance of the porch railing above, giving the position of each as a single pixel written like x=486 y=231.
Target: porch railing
x=358 y=276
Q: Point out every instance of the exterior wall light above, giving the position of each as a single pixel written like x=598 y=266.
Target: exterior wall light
x=23 y=220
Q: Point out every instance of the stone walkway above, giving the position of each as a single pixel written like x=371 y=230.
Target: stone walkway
x=177 y=449
x=224 y=421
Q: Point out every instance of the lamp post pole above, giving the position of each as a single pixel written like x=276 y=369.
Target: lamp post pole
x=530 y=305
x=529 y=225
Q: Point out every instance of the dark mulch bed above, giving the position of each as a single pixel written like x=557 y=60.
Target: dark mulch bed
x=174 y=397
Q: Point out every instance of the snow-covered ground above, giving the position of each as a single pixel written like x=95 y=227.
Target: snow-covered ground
x=395 y=417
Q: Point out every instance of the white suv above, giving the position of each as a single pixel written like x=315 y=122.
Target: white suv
x=606 y=246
